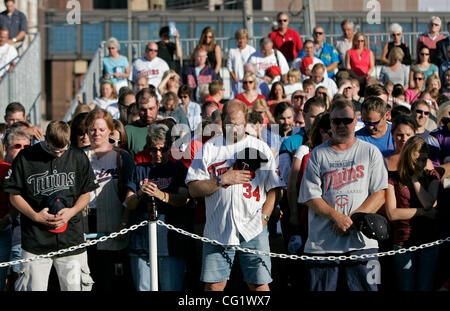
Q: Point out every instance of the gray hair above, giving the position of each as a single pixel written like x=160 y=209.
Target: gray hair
x=16 y=133
x=347 y=22
x=158 y=132
x=435 y=18
x=264 y=41
x=113 y=41
x=395 y=27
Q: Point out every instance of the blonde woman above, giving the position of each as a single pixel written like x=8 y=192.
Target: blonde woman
x=395 y=71
x=262 y=107
x=294 y=82
x=360 y=60
x=169 y=83
x=250 y=85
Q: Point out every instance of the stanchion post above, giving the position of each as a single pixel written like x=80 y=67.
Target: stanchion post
x=153 y=245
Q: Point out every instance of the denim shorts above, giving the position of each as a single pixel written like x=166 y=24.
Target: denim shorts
x=218 y=261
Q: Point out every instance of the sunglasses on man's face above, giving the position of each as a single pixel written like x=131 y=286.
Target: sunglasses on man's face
x=367 y=123
x=420 y=111
x=345 y=121
x=20 y=146
x=282 y=20
x=155 y=150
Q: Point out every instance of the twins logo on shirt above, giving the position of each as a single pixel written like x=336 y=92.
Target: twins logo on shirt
x=162 y=183
x=45 y=184
x=338 y=178
x=148 y=73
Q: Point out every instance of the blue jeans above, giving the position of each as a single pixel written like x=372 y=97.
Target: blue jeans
x=16 y=254
x=171 y=272
x=5 y=251
x=416 y=271
x=218 y=261
x=357 y=275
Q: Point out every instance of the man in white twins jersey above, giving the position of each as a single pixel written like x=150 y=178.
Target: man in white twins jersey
x=238 y=202
x=344 y=176
x=150 y=66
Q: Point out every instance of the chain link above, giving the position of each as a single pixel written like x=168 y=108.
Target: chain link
x=305 y=257
x=74 y=248
x=232 y=247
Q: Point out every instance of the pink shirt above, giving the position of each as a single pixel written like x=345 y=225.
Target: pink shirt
x=359 y=64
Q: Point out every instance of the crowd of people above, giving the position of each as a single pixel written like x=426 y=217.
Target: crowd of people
x=311 y=148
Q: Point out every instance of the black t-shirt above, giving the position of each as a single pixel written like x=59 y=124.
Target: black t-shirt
x=166 y=52
x=37 y=174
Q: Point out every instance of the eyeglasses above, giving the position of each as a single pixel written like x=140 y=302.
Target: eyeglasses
x=396 y=34
x=345 y=121
x=152 y=50
x=322 y=94
x=299 y=97
x=184 y=96
x=318 y=33
x=113 y=141
x=155 y=150
x=420 y=111
x=282 y=20
x=418 y=78
x=111 y=48
x=57 y=151
x=248 y=82
x=348 y=88
x=366 y=123
x=434 y=24
x=20 y=146
x=361 y=40
x=424 y=54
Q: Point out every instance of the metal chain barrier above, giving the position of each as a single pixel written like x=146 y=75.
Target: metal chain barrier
x=73 y=248
x=233 y=247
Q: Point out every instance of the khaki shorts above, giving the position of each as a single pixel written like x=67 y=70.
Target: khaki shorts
x=73 y=273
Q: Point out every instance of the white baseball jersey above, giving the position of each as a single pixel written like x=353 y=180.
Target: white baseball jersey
x=153 y=70
x=7 y=53
x=263 y=63
x=236 y=209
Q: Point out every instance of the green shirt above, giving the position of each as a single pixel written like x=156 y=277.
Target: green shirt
x=137 y=134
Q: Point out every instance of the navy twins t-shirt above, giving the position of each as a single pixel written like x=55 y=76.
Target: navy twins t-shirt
x=168 y=177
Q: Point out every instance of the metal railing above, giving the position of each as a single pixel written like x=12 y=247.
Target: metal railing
x=90 y=87
x=23 y=83
x=91 y=84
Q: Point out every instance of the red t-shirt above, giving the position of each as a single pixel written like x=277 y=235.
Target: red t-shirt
x=4 y=206
x=241 y=97
x=210 y=98
x=289 y=44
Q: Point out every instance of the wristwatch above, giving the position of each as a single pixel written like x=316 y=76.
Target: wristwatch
x=266 y=218
x=14 y=40
x=219 y=181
